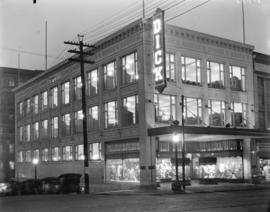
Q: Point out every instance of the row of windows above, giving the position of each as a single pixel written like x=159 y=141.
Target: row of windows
x=65 y=153
x=50 y=99
x=41 y=129
x=165 y=110
x=191 y=73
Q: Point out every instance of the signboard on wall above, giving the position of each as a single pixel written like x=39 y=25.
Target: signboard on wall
x=159 y=57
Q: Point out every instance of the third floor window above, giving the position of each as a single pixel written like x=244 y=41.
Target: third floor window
x=215 y=75
x=77 y=88
x=170 y=66
x=92 y=82
x=191 y=70
x=237 y=78
x=129 y=68
x=44 y=100
x=65 y=91
x=54 y=97
x=110 y=76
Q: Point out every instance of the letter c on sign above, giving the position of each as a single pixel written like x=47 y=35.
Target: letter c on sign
x=158 y=57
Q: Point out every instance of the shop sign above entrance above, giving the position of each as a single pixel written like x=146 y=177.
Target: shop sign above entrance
x=159 y=63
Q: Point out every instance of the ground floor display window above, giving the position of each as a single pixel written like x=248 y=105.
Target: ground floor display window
x=166 y=169
x=123 y=170
x=218 y=167
x=265 y=168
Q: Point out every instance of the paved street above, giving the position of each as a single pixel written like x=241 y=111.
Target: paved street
x=248 y=201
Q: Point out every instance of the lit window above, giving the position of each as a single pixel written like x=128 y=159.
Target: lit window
x=28 y=105
x=216 y=110
x=215 y=75
x=92 y=82
x=44 y=100
x=191 y=70
x=36 y=154
x=35 y=130
x=193 y=111
x=21 y=133
x=95 y=151
x=65 y=93
x=11 y=83
x=54 y=127
x=27 y=132
x=28 y=156
x=170 y=66
x=77 y=88
x=45 y=154
x=110 y=76
x=20 y=156
x=129 y=68
x=20 y=107
x=164 y=108
x=239 y=114
x=237 y=78
x=67 y=153
x=78 y=121
x=111 y=115
x=35 y=104
x=44 y=128
x=130 y=111
x=56 y=154
x=93 y=118
x=54 y=97
x=66 y=124
x=79 y=152
x=11 y=148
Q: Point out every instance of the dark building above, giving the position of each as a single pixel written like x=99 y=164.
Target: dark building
x=9 y=79
x=262 y=110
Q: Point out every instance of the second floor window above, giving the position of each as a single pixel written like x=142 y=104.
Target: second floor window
x=54 y=97
x=193 y=111
x=36 y=154
x=79 y=152
x=109 y=76
x=66 y=124
x=67 y=153
x=65 y=91
x=191 y=70
x=164 y=108
x=93 y=118
x=237 y=78
x=45 y=154
x=21 y=133
x=44 y=100
x=35 y=130
x=111 y=114
x=20 y=156
x=129 y=68
x=35 y=104
x=95 y=151
x=216 y=110
x=56 y=154
x=238 y=114
x=28 y=132
x=54 y=127
x=130 y=111
x=28 y=156
x=78 y=121
x=215 y=75
x=77 y=88
x=170 y=66
x=92 y=82
x=44 y=128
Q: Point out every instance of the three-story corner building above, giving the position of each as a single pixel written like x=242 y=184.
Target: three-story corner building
x=129 y=121
x=9 y=79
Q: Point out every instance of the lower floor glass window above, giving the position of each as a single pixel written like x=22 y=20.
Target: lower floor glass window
x=124 y=170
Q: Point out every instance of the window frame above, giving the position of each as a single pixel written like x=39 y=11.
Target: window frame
x=198 y=68
x=124 y=69
x=90 y=82
x=172 y=108
x=107 y=125
x=105 y=75
x=221 y=74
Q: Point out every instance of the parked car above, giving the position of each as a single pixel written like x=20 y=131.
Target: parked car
x=49 y=185
x=258 y=178
x=70 y=183
x=11 y=187
x=30 y=186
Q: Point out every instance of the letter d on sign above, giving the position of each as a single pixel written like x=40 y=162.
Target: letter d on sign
x=157 y=26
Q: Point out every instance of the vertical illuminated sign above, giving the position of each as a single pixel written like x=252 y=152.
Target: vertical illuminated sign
x=159 y=63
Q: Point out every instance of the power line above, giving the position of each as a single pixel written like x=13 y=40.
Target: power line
x=188 y=10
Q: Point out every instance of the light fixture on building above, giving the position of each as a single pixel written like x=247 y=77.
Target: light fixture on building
x=35 y=162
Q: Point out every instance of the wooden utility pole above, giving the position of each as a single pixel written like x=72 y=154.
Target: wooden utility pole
x=82 y=62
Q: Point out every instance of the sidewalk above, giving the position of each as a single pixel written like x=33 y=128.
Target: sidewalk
x=196 y=188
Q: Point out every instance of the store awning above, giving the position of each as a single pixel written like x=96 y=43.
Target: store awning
x=193 y=133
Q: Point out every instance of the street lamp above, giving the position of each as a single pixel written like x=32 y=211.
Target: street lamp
x=35 y=162
x=176 y=139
